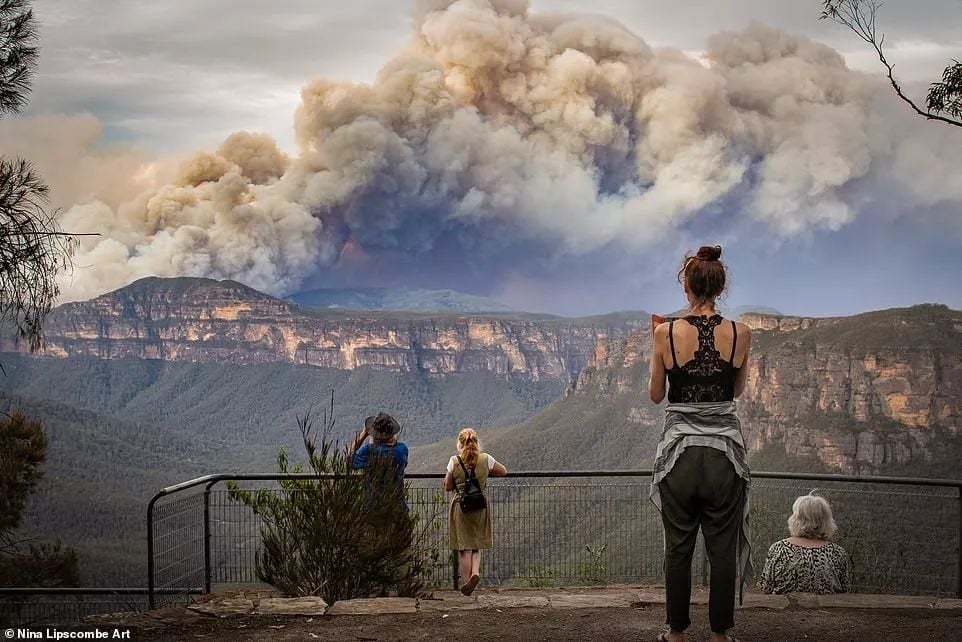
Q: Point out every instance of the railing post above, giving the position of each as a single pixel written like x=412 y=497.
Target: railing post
x=207 y=565
x=150 y=550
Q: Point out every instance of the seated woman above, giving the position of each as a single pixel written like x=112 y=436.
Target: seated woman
x=807 y=562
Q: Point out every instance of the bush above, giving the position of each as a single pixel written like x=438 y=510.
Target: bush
x=23 y=450
x=345 y=535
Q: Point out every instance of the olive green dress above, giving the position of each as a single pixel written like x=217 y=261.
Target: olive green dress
x=470 y=531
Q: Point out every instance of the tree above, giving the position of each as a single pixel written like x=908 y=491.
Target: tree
x=23 y=449
x=33 y=249
x=944 y=97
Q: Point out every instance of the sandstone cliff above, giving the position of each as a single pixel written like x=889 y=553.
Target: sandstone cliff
x=872 y=393
x=200 y=320
x=860 y=393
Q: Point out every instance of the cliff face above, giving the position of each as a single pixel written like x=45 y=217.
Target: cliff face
x=199 y=320
x=862 y=394
x=766 y=322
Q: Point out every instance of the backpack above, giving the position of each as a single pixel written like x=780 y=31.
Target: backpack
x=472 y=498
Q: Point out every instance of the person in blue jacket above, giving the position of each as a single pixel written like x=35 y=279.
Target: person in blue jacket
x=384 y=450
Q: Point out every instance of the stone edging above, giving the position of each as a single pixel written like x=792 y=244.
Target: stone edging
x=267 y=604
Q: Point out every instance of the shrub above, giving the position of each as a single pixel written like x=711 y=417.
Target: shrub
x=342 y=535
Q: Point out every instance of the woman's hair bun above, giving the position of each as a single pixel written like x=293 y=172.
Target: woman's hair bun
x=709 y=252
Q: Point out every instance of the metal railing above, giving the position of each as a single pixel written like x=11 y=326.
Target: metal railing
x=590 y=527
x=68 y=606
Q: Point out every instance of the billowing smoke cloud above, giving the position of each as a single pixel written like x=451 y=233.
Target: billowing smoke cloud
x=499 y=125
x=219 y=219
x=65 y=149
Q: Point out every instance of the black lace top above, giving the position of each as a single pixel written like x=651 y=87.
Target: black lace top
x=706 y=377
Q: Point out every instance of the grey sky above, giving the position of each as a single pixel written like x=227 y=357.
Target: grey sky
x=181 y=75
x=184 y=74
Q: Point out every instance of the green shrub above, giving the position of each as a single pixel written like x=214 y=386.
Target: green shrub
x=343 y=536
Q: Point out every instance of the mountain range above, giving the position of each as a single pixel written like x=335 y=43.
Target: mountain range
x=168 y=379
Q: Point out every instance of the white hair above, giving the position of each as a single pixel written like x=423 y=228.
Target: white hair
x=812 y=518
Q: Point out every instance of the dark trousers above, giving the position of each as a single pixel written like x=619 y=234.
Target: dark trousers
x=703 y=490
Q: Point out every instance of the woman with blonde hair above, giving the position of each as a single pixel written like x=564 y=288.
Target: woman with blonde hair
x=469 y=519
x=807 y=562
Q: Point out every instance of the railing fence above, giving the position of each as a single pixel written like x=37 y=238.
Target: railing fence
x=569 y=528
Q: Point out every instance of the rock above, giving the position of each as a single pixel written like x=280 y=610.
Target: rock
x=764 y=601
x=309 y=606
x=870 y=601
x=178 y=615
x=651 y=596
x=589 y=601
x=508 y=601
x=449 y=602
x=228 y=607
x=804 y=600
x=946 y=603
x=374 y=606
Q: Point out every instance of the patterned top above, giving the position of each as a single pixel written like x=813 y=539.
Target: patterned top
x=706 y=377
x=790 y=568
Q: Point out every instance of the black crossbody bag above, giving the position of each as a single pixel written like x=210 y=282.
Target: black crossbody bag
x=472 y=497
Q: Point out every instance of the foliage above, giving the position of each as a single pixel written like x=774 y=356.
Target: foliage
x=594 y=570
x=18 y=54
x=32 y=248
x=539 y=576
x=40 y=565
x=343 y=535
x=859 y=16
x=946 y=96
x=23 y=448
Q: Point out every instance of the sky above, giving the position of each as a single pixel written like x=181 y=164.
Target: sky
x=182 y=74
x=161 y=81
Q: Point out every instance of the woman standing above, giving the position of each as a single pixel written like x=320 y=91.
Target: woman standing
x=700 y=476
x=470 y=532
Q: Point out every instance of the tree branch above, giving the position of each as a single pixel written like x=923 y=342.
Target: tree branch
x=859 y=16
x=898 y=91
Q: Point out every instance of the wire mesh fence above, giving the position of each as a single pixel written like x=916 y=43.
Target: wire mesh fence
x=900 y=538
x=40 y=610
x=550 y=529
x=176 y=546
x=35 y=607
x=553 y=531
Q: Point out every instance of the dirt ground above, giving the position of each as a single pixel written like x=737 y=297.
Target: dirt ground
x=531 y=625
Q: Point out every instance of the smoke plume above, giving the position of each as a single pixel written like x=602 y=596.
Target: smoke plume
x=500 y=126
